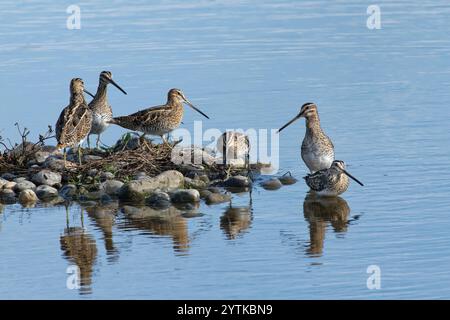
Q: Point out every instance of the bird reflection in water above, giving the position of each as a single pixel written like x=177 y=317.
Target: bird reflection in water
x=104 y=217
x=236 y=220
x=79 y=248
x=319 y=212
x=165 y=222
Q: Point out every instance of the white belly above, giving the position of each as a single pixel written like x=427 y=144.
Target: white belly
x=316 y=162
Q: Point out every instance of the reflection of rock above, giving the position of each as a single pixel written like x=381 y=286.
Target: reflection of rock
x=167 y=222
x=79 y=248
x=104 y=217
x=319 y=211
x=235 y=220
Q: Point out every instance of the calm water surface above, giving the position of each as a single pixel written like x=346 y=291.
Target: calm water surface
x=383 y=97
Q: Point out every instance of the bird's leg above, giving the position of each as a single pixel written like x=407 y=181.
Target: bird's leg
x=143 y=141
x=98 y=141
x=79 y=155
x=88 y=142
x=247 y=164
x=65 y=157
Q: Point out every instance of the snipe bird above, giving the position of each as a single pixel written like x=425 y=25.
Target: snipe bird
x=158 y=120
x=332 y=181
x=234 y=146
x=101 y=109
x=74 y=122
x=317 y=149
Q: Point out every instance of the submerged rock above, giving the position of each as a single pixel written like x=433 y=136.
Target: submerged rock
x=158 y=200
x=238 y=182
x=287 y=179
x=137 y=190
x=47 y=177
x=185 y=195
x=27 y=197
x=215 y=198
x=7 y=196
x=45 y=192
x=272 y=184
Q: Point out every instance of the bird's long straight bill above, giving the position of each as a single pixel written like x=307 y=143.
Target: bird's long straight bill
x=196 y=109
x=117 y=86
x=279 y=130
x=352 y=177
x=85 y=91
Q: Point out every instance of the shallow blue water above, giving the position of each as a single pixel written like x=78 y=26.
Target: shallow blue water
x=383 y=98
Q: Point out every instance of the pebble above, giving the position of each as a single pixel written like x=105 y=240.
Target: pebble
x=45 y=192
x=27 y=197
x=24 y=185
x=158 y=200
x=185 y=195
x=7 y=196
x=8 y=176
x=137 y=190
x=111 y=187
x=9 y=185
x=194 y=183
x=287 y=180
x=106 y=176
x=46 y=177
x=238 y=182
x=41 y=156
x=69 y=191
x=215 y=198
x=272 y=184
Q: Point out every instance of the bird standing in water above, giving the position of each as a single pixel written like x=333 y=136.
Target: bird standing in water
x=101 y=109
x=74 y=122
x=317 y=149
x=332 y=181
x=234 y=146
x=158 y=120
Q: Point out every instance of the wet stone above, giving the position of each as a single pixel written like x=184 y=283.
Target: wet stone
x=204 y=193
x=287 y=180
x=184 y=196
x=215 y=198
x=8 y=176
x=158 y=200
x=137 y=190
x=2 y=182
x=27 y=196
x=194 y=184
x=7 y=196
x=47 y=177
x=24 y=185
x=272 y=184
x=238 y=182
x=69 y=191
x=111 y=187
x=45 y=192
x=9 y=185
